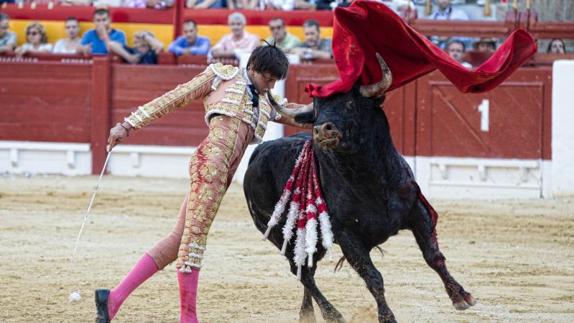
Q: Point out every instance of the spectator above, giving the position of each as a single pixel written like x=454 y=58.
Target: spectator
x=445 y=11
x=280 y=37
x=205 y=4
x=155 y=4
x=239 y=39
x=107 y=3
x=76 y=2
x=190 y=43
x=555 y=46
x=314 y=46
x=331 y=4
x=287 y=5
x=7 y=38
x=456 y=49
x=95 y=40
x=71 y=44
x=485 y=45
x=243 y=4
x=145 y=50
x=404 y=8
x=36 y=40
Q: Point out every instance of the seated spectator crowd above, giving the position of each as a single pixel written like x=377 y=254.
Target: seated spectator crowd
x=102 y=39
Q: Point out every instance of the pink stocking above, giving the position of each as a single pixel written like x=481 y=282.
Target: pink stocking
x=143 y=269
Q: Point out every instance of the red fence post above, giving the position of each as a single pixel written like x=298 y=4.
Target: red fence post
x=100 y=112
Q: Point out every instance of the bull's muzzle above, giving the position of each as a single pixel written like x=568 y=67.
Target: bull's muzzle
x=327 y=135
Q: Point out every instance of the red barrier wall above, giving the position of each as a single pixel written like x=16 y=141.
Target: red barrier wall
x=135 y=85
x=45 y=101
x=519 y=123
x=71 y=102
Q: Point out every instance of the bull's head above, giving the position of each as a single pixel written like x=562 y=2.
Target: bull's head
x=341 y=121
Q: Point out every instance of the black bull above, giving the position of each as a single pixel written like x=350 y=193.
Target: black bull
x=369 y=189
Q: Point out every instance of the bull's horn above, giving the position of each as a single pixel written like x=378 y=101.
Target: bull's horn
x=380 y=87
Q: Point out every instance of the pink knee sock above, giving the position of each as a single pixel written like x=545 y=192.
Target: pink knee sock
x=143 y=269
x=187 y=295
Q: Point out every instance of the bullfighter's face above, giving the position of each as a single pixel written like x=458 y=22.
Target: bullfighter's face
x=263 y=81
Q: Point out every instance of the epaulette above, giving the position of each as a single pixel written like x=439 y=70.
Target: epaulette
x=225 y=72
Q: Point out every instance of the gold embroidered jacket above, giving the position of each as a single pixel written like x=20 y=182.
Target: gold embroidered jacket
x=233 y=100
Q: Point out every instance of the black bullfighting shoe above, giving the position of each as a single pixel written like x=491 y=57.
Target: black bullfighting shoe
x=102 y=305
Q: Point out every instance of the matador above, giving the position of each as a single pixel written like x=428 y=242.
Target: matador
x=238 y=106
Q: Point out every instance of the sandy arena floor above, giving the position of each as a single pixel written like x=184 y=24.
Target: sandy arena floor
x=515 y=257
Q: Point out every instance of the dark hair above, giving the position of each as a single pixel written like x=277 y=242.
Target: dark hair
x=101 y=11
x=4 y=16
x=190 y=21
x=269 y=59
x=72 y=18
x=311 y=23
x=550 y=44
x=455 y=41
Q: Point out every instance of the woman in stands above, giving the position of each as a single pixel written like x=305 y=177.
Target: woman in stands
x=36 y=40
x=71 y=43
x=238 y=106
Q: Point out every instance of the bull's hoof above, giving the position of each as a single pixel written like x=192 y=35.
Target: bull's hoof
x=466 y=303
x=307 y=317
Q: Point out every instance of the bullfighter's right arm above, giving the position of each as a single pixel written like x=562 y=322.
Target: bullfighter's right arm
x=182 y=95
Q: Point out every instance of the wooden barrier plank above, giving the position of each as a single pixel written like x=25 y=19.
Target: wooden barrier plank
x=470 y=28
x=507 y=122
x=45 y=102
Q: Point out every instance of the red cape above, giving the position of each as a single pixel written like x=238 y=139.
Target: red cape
x=369 y=27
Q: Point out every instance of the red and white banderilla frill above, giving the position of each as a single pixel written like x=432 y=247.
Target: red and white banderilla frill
x=307 y=210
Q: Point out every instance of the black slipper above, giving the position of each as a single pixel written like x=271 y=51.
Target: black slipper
x=102 y=305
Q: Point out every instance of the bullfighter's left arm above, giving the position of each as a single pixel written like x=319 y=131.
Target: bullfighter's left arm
x=285 y=113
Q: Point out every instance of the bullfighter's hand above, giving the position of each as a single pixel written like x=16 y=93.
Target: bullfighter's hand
x=117 y=134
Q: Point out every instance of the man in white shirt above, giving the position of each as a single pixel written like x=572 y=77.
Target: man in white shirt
x=446 y=11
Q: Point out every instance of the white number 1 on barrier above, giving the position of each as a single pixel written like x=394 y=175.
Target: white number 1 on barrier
x=483 y=109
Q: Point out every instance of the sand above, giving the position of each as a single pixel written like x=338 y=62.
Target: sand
x=515 y=256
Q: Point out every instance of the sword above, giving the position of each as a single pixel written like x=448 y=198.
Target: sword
x=75 y=295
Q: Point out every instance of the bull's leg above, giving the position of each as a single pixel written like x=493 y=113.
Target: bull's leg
x=307 y=313
x=358 y=256
x=328 y=311
x=426 y=239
